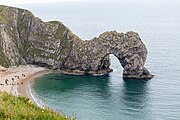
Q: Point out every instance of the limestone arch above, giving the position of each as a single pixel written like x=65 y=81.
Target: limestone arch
x=130 y=51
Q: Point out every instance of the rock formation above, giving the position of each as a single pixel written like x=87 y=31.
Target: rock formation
x=26 y=39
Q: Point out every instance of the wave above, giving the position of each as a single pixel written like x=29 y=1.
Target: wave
x=35 y=97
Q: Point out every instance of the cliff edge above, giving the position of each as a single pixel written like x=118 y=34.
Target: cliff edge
x=26 y=39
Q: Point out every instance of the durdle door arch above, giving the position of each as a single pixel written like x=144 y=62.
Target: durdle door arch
x=129 y=50
x=26 y=39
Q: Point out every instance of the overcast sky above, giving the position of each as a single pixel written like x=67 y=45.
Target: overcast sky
x=15 y=2
x=20 y=2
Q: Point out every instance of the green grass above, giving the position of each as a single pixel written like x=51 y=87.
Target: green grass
x=20 y=108
x=4 y=61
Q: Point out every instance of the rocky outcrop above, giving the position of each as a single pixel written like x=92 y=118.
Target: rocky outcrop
x=26 y=39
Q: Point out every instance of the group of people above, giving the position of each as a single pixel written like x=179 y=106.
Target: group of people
x=7 y=81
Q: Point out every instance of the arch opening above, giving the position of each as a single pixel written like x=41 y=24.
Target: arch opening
x=115 y=64
x=110 y=63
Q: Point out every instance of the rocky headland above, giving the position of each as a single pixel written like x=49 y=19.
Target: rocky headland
x=26 y=39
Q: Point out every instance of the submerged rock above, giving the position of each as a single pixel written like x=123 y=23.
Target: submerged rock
x=26 y=39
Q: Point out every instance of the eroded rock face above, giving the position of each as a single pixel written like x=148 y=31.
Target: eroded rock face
x=26 y=39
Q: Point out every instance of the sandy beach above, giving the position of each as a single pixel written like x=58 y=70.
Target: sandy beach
x=15 y=80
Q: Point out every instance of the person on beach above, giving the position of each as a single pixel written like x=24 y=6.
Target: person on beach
x=17 y=77
x=12 y=81
x=23 y=75
x=6 y=81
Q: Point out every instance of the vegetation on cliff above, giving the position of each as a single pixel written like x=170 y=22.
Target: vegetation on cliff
x=20 y=108
x=26 y=39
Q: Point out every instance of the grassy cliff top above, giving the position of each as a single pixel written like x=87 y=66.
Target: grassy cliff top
x=20 y=108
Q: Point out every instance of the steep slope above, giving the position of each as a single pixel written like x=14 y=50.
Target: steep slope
x=26 y=39
x=20 y=108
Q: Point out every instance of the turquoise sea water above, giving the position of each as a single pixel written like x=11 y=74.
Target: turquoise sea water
x=110 y=97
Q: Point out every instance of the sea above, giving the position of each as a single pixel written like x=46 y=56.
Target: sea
x=110 y=97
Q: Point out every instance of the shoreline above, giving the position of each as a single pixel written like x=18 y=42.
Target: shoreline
x=19 y=78
x=15 y=80
x=24 y=90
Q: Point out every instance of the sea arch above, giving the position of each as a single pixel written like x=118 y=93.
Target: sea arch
x=26 y=39
x=128 y=48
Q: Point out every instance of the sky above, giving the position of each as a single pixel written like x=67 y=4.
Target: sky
x=15 y=2
x=22 y=2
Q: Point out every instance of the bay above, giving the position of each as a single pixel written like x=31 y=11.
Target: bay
x=110 y=97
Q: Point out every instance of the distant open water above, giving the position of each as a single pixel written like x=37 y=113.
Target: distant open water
x=110 y=97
